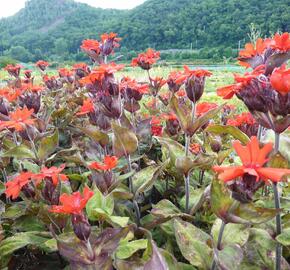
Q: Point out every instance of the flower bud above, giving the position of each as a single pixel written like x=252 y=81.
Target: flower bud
x=81 y=226
x=194 y=88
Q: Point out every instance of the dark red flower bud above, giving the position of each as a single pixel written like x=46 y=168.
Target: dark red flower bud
x=31 y=101
x=194 y=88
x=4 y=107
x=216 y=145
x=103 y=180
x=28 y=191
x=81 y=226
x=244 y=189
x=51 y=192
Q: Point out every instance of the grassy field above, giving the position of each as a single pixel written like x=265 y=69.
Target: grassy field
x=222 y=75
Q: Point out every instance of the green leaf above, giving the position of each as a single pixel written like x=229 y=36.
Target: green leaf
x=194 y=244
x=144 y=179
x=196 y=198
x=220 y=200
x=233 y=233
x=28 y=223
x=21 y=151
x=233 y=131
x=284 y=237
x=121 y=221
x=127 y=249
x=99 y=205
x=230 y=257
x=30 y=166
x=48 y=145
x=249 y=213
x=15 y=211
x=125 y=141
x=96 y=135
x=20 y=240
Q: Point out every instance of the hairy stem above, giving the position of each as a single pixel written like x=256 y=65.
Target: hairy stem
x=131 y=187
x=220 y=237
x=278 y=216
x=260 y=130
x=186 y=183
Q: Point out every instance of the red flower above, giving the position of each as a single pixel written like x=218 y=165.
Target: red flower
x=175 y=80
x=280 y=80
x=181 y=93
x=74 y=203
x=33 y=88
x=109 y=163
x=10 y=94
x=253 y=159
x=281 y=42
x=128 y=83
x=101 y=72
x=52 y=173
x=146 y=60
x=204 y=107
x=88 y=106
x=195 y=148
x=82 y=66
x=252 y=50
x=42 y=64
x=27 y=73
x=91 y=45
x=109 y=42
x=227 y=92
x=13 y=187
x=18 y=119
x=64 y=72
x=156 y=127
x=196 y=72
x=13 y=70
x=245 y=118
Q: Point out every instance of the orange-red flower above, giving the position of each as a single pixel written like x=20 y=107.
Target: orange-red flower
x=64 y=72
x=204 y=107
x=91 y=45
x=195 y=148
x=147 y=59
x=253 y=159
x=109 y=42
x=10 y=94
x=280 y=80
x=128 y=83
x=227 y=92
x=156 y=127
x=196 y=72
x=13 y=70
x=252 y=50
x=18 y=119
x=245 y=118
x=87 y=107
x=101 y=72
x=13 y=187
x=281 y=42
x=181 y=93
x=42 y=64
x=74 y=203
x=53 y=173
x=109 y=163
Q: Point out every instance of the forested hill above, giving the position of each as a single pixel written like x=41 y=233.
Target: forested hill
x=57 y=27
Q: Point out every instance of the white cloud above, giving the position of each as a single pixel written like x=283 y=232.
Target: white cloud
x=10 y=7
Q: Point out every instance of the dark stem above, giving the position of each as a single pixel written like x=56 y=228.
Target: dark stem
x=201 y=175
x=219 y=242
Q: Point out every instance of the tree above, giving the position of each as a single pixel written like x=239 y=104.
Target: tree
x=20 y=53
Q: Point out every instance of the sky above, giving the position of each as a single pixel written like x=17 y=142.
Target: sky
x=10 y=7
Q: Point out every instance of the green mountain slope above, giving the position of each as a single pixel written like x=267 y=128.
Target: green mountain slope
x=57 y=27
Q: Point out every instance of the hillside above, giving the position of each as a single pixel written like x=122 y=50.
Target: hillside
x=56 y=27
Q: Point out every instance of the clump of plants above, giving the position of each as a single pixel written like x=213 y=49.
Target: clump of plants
x=95 y=176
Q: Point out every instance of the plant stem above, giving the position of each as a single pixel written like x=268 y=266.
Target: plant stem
x=259 y=135
x=193 y=111
x=277 y=142
x=278 y=216
x=186 y=183
x=220 y=236
x=131 y=187
x=278 y=227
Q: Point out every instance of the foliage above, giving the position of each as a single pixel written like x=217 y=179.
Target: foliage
x=103 y=171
